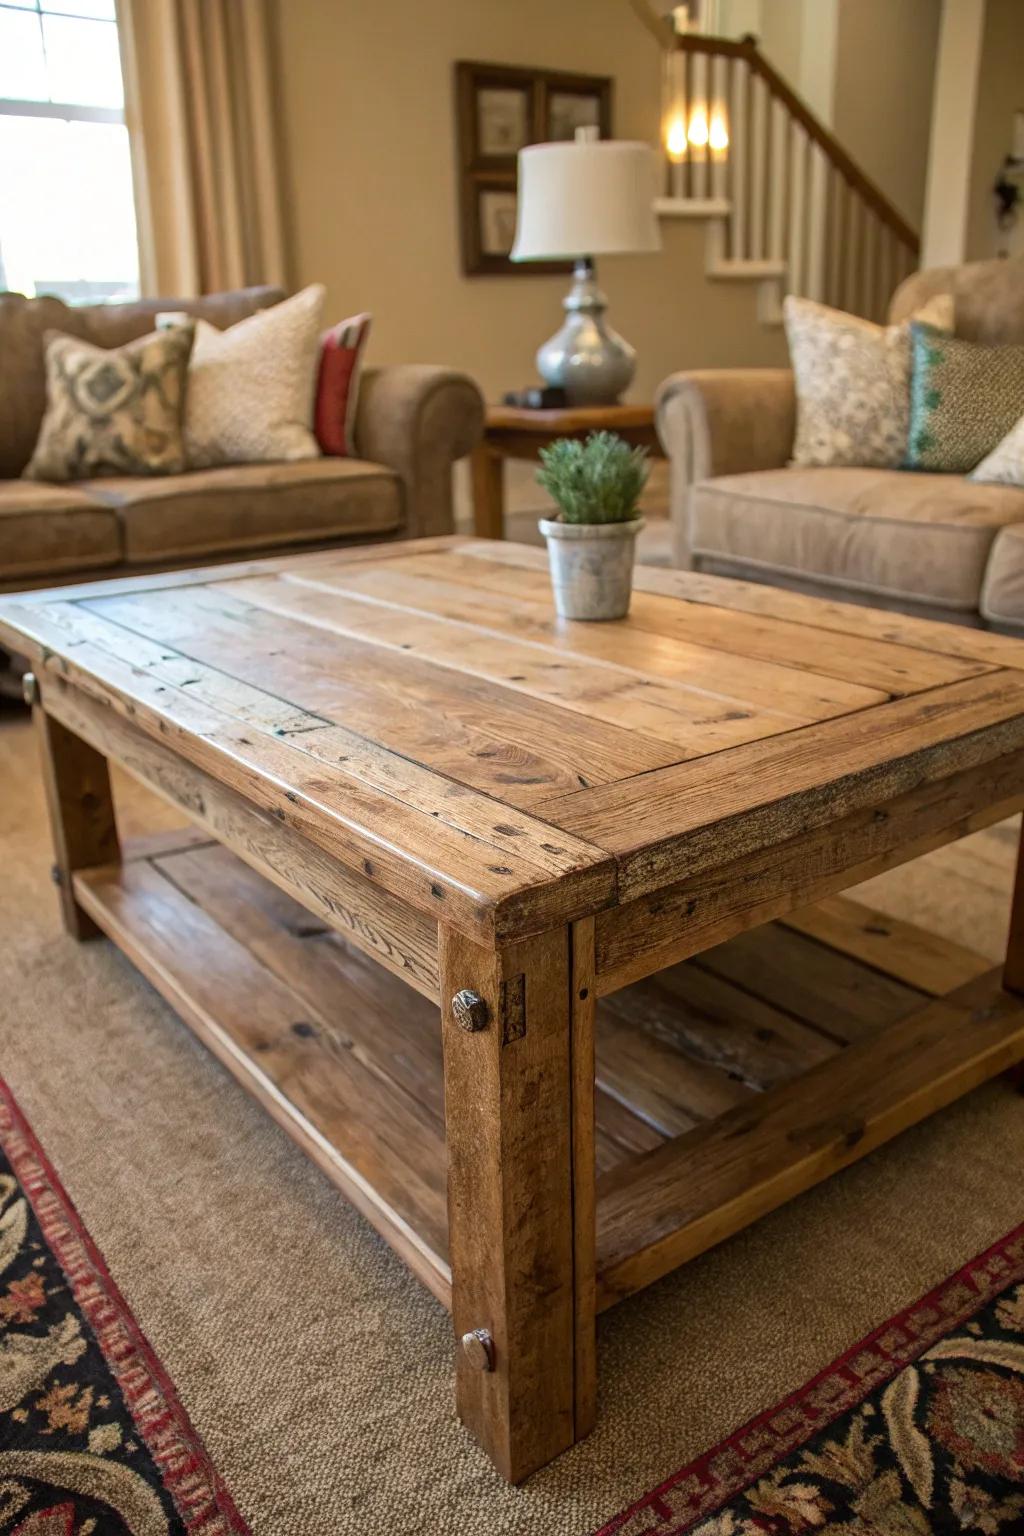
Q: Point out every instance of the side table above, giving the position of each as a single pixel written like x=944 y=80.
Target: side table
x=513 y=432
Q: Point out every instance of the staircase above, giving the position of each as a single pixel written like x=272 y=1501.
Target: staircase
x=785 y=206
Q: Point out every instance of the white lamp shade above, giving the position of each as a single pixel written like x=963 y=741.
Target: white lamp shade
x=586 y=199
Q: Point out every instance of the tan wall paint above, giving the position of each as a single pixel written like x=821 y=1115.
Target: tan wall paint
x=1000 y=94
x=886 y=53
x=369 y=139
x=953 y=111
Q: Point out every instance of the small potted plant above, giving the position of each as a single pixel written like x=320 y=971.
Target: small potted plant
x=592 y=541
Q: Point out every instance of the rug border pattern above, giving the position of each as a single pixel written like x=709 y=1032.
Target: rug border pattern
x=735 y=1463
x=199 y=1493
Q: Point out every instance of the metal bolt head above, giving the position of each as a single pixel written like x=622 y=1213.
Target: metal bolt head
x=470 y=1011
x=478 y=1348
x=29 y=688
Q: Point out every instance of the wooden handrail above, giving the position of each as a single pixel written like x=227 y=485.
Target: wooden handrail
x=872 y=195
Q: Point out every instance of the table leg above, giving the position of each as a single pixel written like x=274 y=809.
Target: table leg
x=76 y=779
x=1013 y=969
x=487 y=474
x=520 y=1196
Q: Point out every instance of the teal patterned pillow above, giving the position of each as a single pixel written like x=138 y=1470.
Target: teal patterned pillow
x=964 y=398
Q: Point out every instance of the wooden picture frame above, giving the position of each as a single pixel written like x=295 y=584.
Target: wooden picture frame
x=500 y=108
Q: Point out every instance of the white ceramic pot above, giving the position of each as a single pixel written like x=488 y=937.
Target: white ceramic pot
x=591 y=566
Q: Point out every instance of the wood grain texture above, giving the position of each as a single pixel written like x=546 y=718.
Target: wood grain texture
x=671 y=1204
x=1013 y=971
x=433 y=843
x=640 y=937
x=691 y=720
x=893 y=947
x=884 y=665
x=385 y=1151
x=671 y=661
x=508 y=1110
x=399 y=937
x=80 y=806
x=816 y=614
x=697 y=815
x=492 y=738
x=583 y=1005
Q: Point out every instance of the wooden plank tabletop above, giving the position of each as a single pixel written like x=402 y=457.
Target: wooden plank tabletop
x=418 y=710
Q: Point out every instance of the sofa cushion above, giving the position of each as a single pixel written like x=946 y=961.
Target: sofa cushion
x=24 y=322
x=1002 y=593
x=250 y=506
x=881 y=530
x=47 y=529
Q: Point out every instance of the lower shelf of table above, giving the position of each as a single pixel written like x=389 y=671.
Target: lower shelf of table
x=725 y=1085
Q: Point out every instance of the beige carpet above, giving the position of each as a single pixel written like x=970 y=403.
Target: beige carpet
x=315 y=1368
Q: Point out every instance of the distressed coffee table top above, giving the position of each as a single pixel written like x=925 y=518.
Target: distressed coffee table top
x=418 y=710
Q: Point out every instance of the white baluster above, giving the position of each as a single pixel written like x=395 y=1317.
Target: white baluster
x=720 y=114
x=677 y=117
x=740 y=161
x=816 y=224
x=797 y=210
x=778 y=186
x=698 y=113
x=757 y=139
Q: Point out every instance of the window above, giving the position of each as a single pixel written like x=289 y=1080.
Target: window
x=67 y=219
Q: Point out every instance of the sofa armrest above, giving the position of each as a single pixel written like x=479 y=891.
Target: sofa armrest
x=721 y=421
x=418 y=419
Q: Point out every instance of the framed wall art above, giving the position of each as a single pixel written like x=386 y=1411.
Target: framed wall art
x=499 y=108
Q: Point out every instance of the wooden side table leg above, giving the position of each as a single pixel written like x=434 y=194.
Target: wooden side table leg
x=81 y=809
x=512 y=1167
x=487 y=474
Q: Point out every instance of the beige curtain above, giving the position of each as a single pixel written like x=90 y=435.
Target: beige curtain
x=199 y=104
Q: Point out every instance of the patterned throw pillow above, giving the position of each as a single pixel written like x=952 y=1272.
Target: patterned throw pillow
x=1005 y=464
x=113 y=411
x=852 y=382
x=964 y=399
x=251 y=387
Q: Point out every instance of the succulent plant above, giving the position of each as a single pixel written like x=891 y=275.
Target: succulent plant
x=598 y=481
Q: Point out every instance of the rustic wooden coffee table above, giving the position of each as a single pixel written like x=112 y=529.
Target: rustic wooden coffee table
x=415 y=789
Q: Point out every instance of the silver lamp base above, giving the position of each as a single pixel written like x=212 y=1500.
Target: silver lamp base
x=586 y=358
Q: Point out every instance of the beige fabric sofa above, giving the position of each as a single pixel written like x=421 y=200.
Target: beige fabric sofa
x=413 y=422
x=934 y=544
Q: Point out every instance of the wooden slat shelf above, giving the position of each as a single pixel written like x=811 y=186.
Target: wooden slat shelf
x=721 y=1090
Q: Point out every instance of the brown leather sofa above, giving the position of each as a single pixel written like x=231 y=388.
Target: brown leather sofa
x=413 y=422
x=939 y=545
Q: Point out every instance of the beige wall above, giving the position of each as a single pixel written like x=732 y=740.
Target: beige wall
x=369 y=138
x=1000 y=94
x=886 y=52
x=953 y=112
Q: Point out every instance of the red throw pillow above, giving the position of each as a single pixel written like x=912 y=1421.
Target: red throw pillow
x=341 y=351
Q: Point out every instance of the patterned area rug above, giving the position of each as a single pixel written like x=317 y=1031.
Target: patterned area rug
x=93 y=1440
x=916 y=1431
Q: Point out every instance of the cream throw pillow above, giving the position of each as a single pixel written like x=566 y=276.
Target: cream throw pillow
x=251 y=388
x=1005 y=464
x=853 y=382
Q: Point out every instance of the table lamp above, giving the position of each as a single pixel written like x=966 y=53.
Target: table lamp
x=577 y=200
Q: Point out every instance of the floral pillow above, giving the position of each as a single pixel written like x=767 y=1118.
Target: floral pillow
x=853 y=383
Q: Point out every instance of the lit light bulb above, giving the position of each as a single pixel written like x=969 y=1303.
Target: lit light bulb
x=718 y=135
x=675 y=138
x=697 y=133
